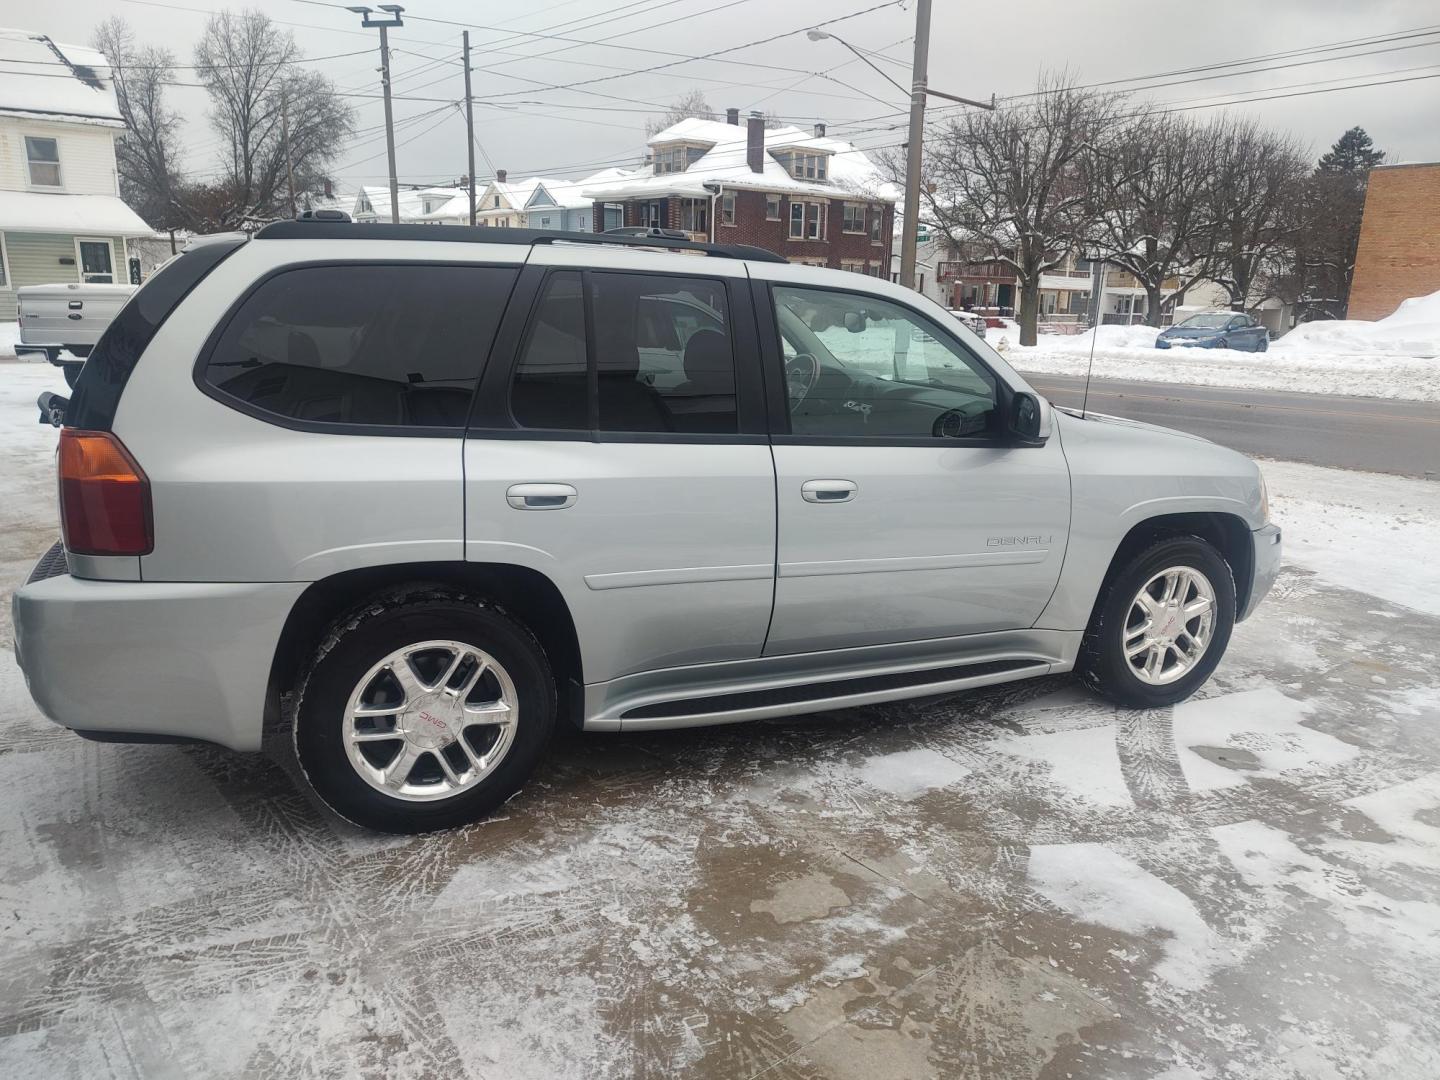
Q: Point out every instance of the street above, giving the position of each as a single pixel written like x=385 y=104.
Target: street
x=1375 y=434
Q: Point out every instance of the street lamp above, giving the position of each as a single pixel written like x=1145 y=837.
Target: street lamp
x=383 y=25
x=914 y=146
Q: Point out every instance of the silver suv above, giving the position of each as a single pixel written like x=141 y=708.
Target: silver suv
x=438 y=489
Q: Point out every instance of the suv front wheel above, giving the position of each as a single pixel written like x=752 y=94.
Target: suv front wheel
x=423 y=710
x=1161 y=626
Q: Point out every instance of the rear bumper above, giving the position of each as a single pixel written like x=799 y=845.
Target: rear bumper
x=177 y=660
x=1266 y=567
x=47 y=352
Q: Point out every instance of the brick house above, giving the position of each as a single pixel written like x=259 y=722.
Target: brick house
x=810 y=198
x=1399 y=252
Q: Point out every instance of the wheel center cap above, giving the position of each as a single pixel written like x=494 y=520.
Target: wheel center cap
x=427 y=723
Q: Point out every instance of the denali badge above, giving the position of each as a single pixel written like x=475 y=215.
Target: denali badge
x=1018 y=541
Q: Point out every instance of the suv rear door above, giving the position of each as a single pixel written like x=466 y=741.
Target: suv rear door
x=888 y=531
x=618 y=447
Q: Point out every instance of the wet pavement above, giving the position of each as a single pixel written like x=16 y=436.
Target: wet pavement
x=1020 y=882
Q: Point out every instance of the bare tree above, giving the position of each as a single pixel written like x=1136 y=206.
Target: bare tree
x=148 y=152
x=1149 y=183
x=1010 y=186
x=1252 y=203
x=691 y=103
x=250 y=68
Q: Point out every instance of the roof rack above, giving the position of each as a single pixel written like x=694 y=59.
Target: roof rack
x=469 y=234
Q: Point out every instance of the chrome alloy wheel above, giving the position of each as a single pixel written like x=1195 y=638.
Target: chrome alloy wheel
x=430 y=720
x=1169 y=626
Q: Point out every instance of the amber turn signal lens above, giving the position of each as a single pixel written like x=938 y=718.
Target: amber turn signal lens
x=104 y=496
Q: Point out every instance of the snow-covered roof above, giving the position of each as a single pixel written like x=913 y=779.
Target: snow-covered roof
x=851 y=172
x=44 y=212
x=47 y=80
x=412 y=201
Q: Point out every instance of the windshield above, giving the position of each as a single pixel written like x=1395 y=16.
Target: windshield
x=1207 y=322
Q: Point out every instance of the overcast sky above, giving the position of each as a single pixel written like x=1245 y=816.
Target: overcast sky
x=976 y=49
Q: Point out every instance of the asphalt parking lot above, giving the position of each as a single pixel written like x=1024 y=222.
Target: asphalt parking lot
x=1019 y=882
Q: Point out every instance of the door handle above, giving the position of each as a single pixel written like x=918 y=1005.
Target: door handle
x=540 y=496
x=828 y=491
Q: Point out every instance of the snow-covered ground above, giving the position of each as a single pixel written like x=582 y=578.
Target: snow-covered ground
x=1018 y=882
x=1395 y=357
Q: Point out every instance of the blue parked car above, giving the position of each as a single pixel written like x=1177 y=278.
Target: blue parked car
x=1216 y=330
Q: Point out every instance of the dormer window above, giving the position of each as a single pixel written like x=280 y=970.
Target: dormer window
x=676 y=158
x=803 y=165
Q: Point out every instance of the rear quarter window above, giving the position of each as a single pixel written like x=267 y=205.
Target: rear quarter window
x=382 y=349
x=107 y=369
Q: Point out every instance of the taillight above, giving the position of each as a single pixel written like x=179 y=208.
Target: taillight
x=104 y=496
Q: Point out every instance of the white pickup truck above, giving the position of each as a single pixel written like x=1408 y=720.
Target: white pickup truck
x=64 y=321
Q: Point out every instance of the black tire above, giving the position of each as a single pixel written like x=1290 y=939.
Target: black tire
x=360 y=640
x=72 y=373
x=1102 y=664
x=1263 y=345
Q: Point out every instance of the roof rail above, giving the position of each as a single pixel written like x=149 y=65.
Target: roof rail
x=467 y=234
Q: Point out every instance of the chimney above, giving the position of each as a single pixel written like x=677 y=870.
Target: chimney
x=732 y=117
x=819 y=131
x=499 y=176
x=755 y=142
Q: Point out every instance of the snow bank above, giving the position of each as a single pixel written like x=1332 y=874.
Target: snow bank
x=1395 y=357
x=1414 y=330
x=9 y=335
x=1411 y=378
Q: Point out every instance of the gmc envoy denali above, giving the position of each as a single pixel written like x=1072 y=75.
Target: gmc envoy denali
x=436 y=489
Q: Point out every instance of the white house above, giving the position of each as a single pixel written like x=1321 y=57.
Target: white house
x=61 y=217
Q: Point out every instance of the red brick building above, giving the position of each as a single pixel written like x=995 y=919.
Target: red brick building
x=1399 y=252
x=799 y=194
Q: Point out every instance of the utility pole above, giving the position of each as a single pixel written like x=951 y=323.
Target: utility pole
x=915 y=148
x=469 y=127
x=384 y=25
x=285 y=138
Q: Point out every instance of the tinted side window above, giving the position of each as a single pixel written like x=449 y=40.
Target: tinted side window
x=660 y=361
x=551 y=386
x=663 y=355
x=389 y=346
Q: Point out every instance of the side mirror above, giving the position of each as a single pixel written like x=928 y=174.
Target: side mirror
x=1023 y=424
x=854 y=322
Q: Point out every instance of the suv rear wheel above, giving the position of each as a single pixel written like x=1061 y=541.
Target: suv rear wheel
x=423 y=710
x=1161 y=626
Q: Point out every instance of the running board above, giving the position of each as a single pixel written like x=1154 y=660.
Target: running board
x=833 y=694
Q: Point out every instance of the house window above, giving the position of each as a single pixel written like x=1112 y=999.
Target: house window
x=497 y=202
x=877 y=223
x=855 y=266
x=44 y=158
x=807 y=221
x=854 y=218
x=805 y=166
x=727 y=208
x=814 y=221
x=772 y=207
x=545 y=223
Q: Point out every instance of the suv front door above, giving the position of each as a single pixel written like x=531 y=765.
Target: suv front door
x=618 y=447
x=904 y=513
